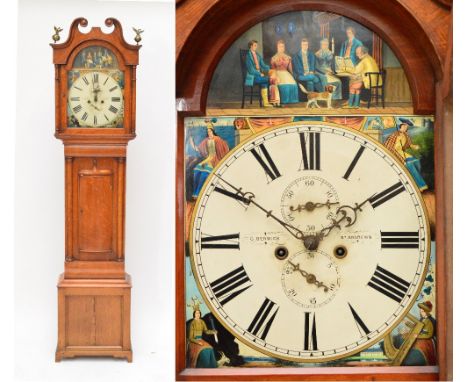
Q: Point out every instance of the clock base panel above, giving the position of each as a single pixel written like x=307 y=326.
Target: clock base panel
x=94 y=318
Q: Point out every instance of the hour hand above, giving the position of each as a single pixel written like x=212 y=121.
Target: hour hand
x=310 y=277
x=95 y=107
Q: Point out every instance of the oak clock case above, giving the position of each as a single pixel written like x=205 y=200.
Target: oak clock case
x=95 y=78
x=319 y=295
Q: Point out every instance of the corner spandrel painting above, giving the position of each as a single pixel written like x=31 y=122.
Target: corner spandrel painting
x=209 y=139
x=309 y=63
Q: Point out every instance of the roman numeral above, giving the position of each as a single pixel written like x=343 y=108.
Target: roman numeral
x=353 y=163
x=107 y=119
x=389 y=284
x=231 y=285
x=74 y=99
x=107 y=79
x=115 y=99
x=261 y=324
x=221 y=241
x=77 y=108
x=310 y=151
x=310 y=333
x=269 y=167
x=359 y=322
x=95 y=120
x=113 y=88
x=113 y=109
x=387 y=194
x=96 y=77
x=232 y=195
x=76 y=87
x=399 y=239
x=85 y=116
x=85 y=80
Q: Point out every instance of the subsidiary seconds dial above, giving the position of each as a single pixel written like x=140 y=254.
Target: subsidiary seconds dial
x=319 y=183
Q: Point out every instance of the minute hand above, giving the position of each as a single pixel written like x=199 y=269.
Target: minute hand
x=349 y=220
x=296 y=232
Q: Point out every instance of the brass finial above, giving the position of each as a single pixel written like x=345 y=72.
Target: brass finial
x=56 y=35
x=138 y=34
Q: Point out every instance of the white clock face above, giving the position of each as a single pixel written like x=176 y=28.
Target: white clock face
x=309 y=242
x=95 y=99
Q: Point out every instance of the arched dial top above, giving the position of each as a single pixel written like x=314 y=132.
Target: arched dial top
x=355 y=231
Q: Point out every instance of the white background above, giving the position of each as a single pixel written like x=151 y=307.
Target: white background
x=39 y=194
x=32 y=189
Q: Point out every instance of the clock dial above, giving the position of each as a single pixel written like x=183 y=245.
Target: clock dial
x=352 y=248
x=95 y=99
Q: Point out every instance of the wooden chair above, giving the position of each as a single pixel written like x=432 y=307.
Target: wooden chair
x=248 y=88
x=376 y=91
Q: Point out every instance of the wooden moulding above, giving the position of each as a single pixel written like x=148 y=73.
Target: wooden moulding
x=94 y=269
x=401 y=373
x=94 y=318
x=419 y=33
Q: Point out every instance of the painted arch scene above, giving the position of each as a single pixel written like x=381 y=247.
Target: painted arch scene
x=309 y=62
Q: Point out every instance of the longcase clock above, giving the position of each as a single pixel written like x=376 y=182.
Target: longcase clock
x=95 y=78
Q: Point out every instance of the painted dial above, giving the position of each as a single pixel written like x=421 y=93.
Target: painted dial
x=339 y=304
x=95 y=99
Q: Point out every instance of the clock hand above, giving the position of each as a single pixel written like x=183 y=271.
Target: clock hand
x=96 y=91
x=310 y=206
x=310 y=277
x=296 y=232
x=347 y=220
x=95 y=107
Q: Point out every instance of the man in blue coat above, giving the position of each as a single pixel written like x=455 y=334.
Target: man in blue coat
x=348 y=48
x=304 y=68
x=256 y=72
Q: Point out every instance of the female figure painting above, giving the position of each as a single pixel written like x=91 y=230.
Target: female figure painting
x=425 y=343
x=281 y=65
x=212 y=149
x=200 y=354
x=423 y=350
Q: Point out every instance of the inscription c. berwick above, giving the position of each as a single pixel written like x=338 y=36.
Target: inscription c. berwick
x=264 y=238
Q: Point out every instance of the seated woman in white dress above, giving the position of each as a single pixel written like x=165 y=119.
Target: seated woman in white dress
x=323 y=64
x=281 y=75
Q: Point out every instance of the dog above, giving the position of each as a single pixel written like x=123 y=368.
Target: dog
x=314 y=97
